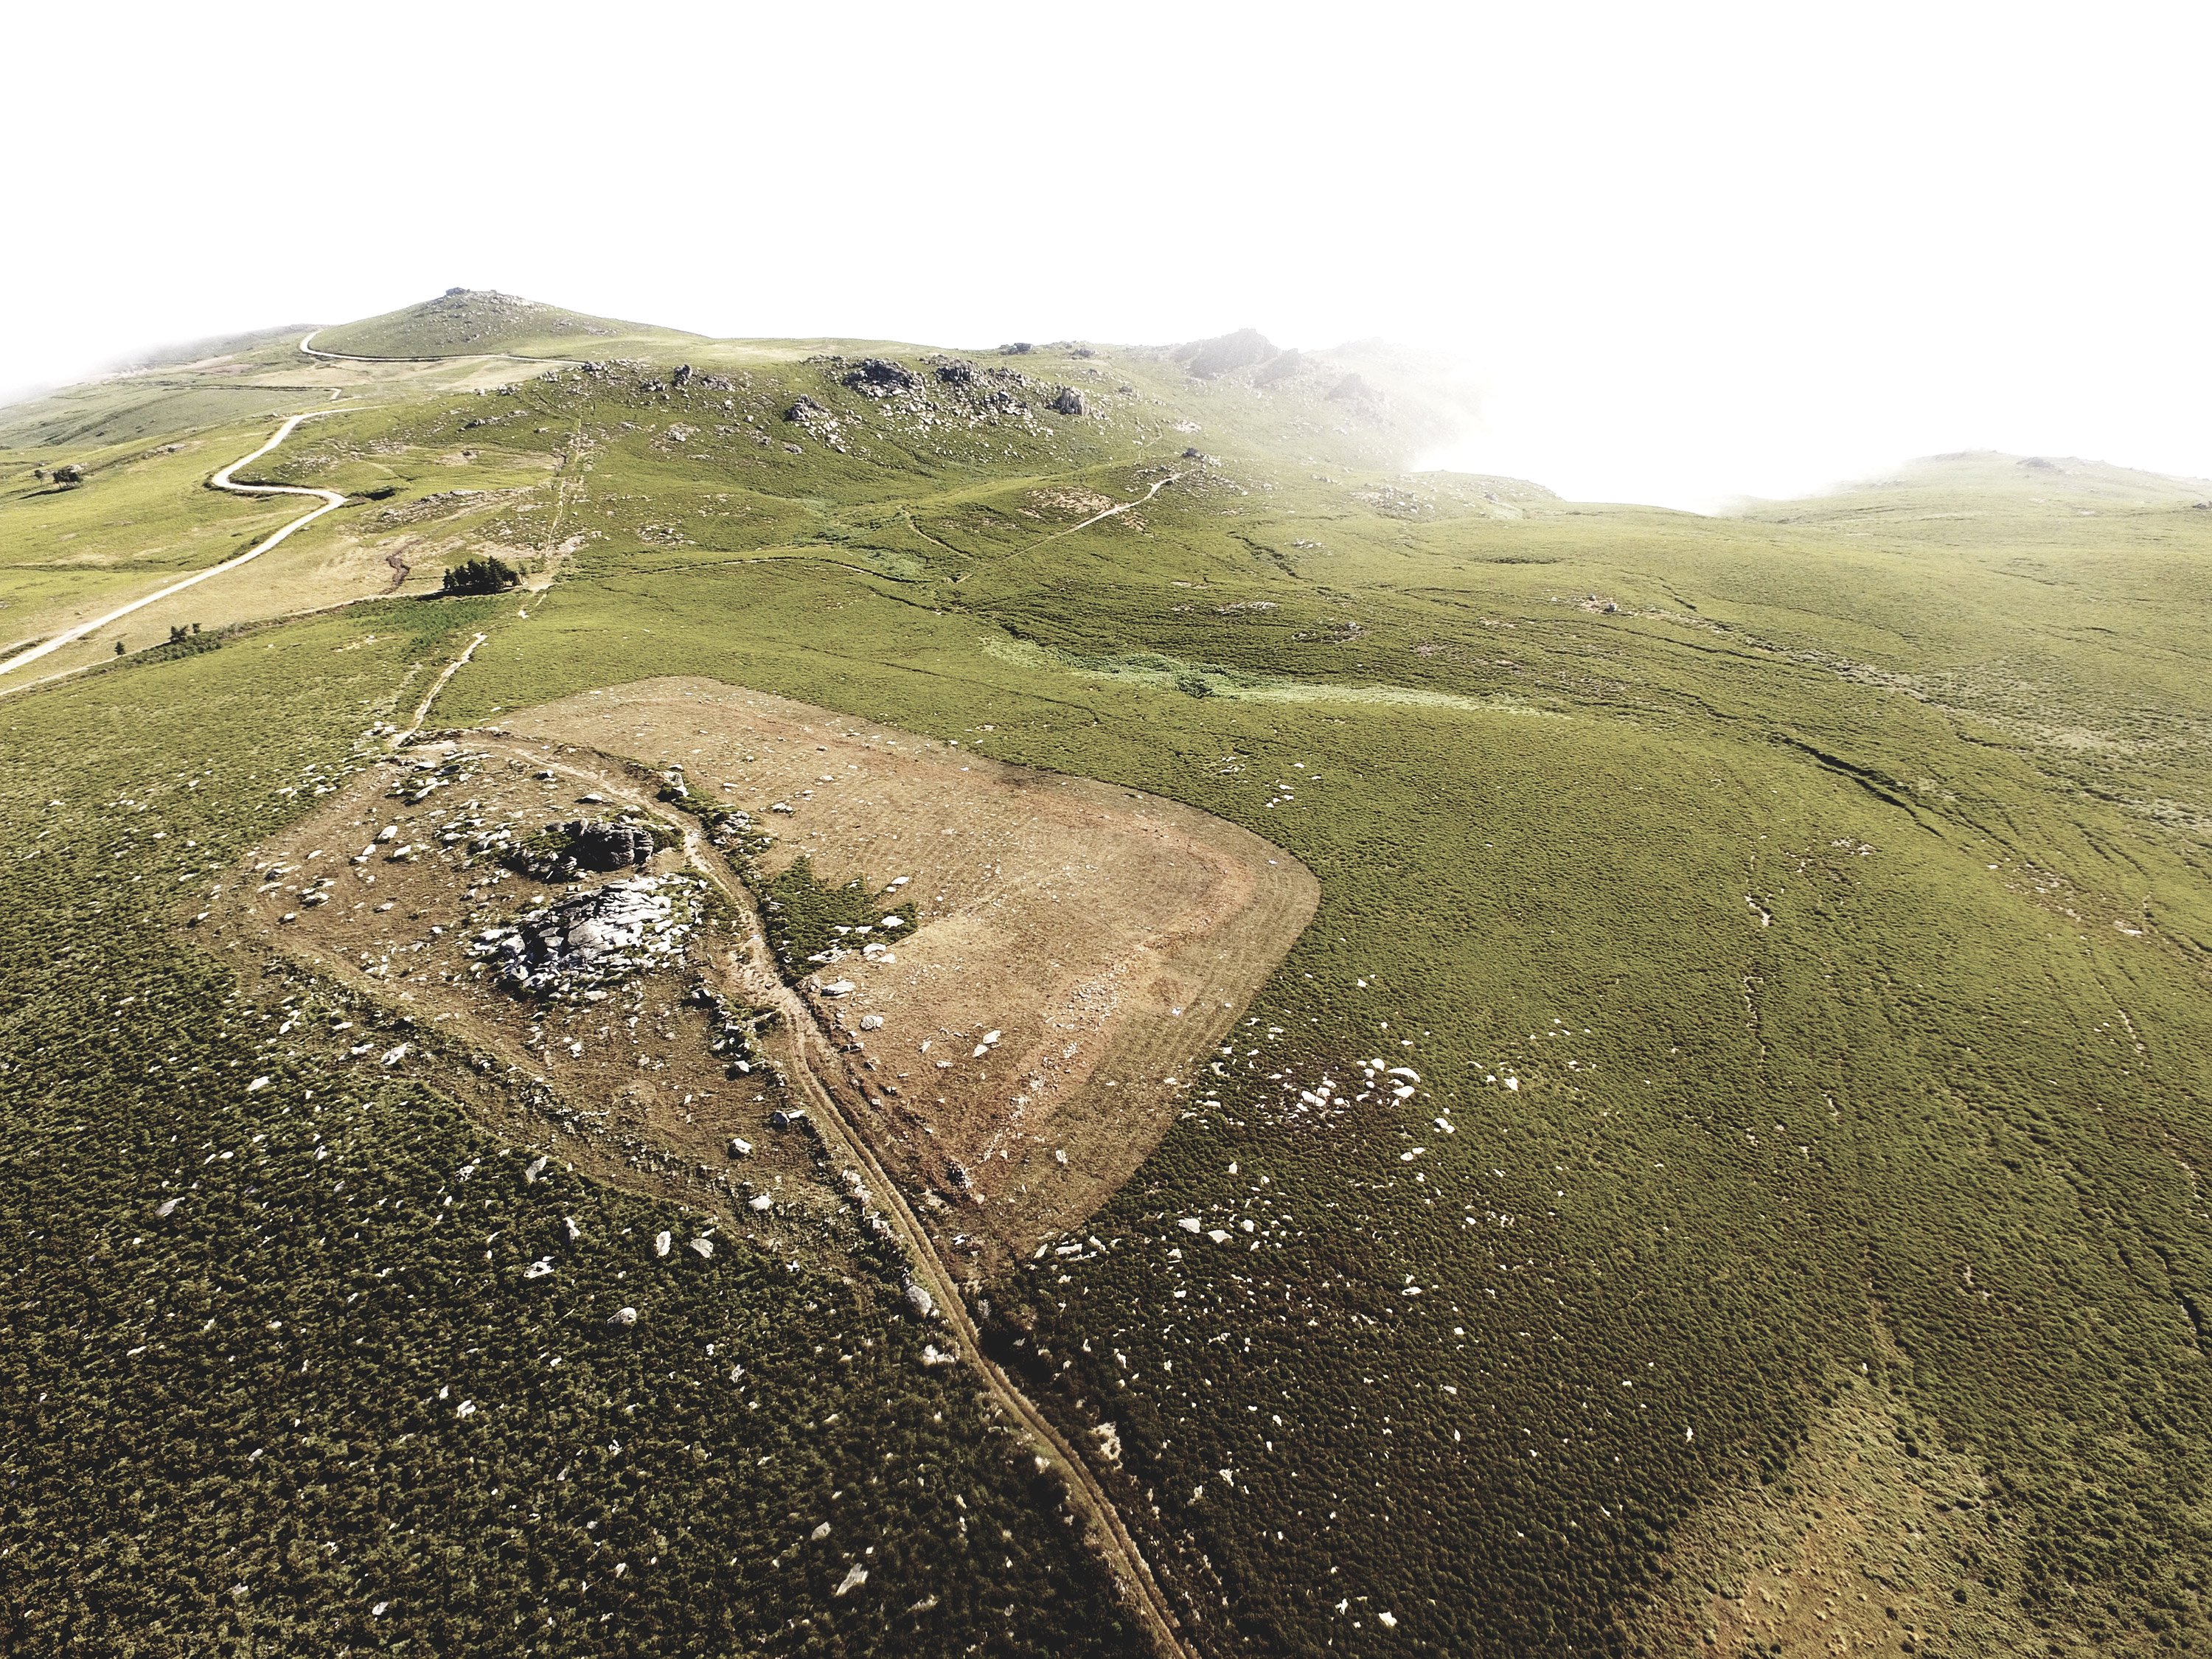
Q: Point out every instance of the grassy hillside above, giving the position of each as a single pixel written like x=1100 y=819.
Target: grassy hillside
x=462 y=321
x=1796 y=927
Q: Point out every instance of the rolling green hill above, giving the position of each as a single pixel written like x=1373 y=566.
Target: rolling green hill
x=463 y=322
x=1794 y=930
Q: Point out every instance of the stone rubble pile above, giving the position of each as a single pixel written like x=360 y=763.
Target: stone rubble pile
x=594 y=937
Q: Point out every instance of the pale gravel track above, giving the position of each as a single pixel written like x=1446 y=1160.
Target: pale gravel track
x=455 y=357
x=332 y=500
x=844 y=1136
x=811 y=1058
x=1114 y=512
x=423 y=708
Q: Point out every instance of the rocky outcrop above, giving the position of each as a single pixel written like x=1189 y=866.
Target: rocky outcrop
x=1070 y=402
x=563 y=851
x=879 y=377
x=1356 y=390
x=1209 y=359
x=599 y=846
x=593 y=938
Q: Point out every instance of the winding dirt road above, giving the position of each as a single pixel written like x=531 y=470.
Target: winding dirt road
x=844 y=1137
x=807 y=1058
x=455 y=357
x=330 y=500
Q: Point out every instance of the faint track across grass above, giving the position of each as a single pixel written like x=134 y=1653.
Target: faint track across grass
x=1116 y=511
x=455 y=356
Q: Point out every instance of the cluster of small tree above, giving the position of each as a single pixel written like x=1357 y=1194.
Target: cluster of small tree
x=489 y=574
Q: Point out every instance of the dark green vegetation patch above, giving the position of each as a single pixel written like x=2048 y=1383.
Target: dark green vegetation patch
x=807 y=918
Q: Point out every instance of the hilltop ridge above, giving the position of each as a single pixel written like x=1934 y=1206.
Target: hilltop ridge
x=465 y=322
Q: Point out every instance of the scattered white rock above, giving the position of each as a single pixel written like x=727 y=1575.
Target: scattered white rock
x=764 y=1203
x=919 y=1298
x=705 y=1247
x=394 y=1054
x=539 y=1268
x=855 y=1576
x=661 y=1241
x=1191 y=1224
x=1218 y=1236
x=623 y=1316
x=931 y=1356
x=575 y=1231
x=740 y=1147
x=257 y=1086
x=871 y=1022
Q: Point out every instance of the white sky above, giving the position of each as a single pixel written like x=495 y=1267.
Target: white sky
x=1686 y=251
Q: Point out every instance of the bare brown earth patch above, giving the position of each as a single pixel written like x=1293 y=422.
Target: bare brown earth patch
x=622 y=1079
x=1076 y=949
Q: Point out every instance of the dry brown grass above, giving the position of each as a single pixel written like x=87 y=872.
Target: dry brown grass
x=1864 y=1546
x=1110 y=937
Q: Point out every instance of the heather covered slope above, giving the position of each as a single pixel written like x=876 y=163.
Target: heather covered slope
x=1720 y=1170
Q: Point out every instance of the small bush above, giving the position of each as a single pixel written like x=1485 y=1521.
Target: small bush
x=489 y=576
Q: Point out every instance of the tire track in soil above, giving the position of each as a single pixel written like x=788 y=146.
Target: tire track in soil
x=807 y=1058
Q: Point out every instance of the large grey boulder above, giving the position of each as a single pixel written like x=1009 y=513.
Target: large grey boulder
x=879 y=377
x=594 y=937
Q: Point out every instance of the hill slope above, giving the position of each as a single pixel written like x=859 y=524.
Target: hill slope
x=1720 y=1172
x=462 y=321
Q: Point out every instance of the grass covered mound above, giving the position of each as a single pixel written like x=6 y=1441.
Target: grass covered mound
x=464 y=320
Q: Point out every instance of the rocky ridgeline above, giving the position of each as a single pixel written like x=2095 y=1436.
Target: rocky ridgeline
x=594 y=938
